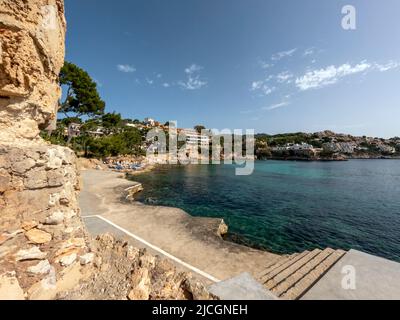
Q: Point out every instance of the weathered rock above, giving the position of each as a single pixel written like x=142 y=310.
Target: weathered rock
x=140 y=285
x=36 y=179
x=38 y=236
x=3 y=238
x=74 y=242
x=43 y=267
x=10 y=288
x=147 y=261
x=133 y=190
x=68 y=260
x=32 y=39
x=55 y=178
x=223 y=228
x=65 y=252
x=33 y=253
x=86 y=258
x=55 y=159
x=7 y=250
x=196 y=290
x=45 y=288
x=23 y=166
x=28 y=225
x=54 y=199
x=8 y=236
x=55 y=218
x=132 y=253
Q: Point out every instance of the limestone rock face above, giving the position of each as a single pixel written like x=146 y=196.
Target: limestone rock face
x=45 y=252
x=39 y=213
x=32 y=35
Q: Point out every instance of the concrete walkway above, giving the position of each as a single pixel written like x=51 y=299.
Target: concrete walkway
x=190 y=239
x=358 y=276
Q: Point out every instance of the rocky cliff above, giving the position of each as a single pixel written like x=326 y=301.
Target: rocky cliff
x=45 y=251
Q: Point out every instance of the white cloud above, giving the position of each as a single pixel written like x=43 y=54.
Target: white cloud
x=265 y=65
x=283 y=54
x=192 y=84
x=276 y=106
x=126 y=68
x=284 y=77
x=256 y=85
x=166 y=85
x=159 y=75
x=309 y=51
x=266 y=90
x=262 y=87
x=149 y=81
x=193 y=81
x=329 y=75
x=388 y=66
x=193 y=69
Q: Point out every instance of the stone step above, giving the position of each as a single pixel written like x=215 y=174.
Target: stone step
x=274 y=264
x=282 y=265
x=292 y=269
x=295 y=277
x=310 y=278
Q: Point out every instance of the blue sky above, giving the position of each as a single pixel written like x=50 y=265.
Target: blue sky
x=270 y=65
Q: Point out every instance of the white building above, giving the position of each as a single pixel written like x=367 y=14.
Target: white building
x=295 y=147
x=74 y=130
x=149 y=122
x=193 y=138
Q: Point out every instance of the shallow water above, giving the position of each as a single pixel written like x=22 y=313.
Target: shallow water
x=288 y=207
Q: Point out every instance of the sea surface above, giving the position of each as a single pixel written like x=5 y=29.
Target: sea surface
x=288 y=207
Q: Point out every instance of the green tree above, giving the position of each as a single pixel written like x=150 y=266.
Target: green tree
x=199 y=128
x=82 y=97
x=111 y=122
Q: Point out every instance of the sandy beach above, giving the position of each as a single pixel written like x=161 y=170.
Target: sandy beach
x=193 y=240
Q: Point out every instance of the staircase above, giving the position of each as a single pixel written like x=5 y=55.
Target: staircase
x=294 y=275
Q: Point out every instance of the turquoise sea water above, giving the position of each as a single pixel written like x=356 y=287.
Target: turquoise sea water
x=287 y=207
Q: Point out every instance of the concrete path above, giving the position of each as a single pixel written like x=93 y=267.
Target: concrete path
x=241 y=287
x=358 y=276
x=190 y=239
